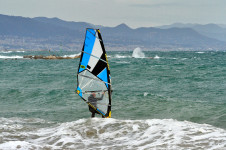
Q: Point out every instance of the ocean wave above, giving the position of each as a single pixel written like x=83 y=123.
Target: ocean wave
x=122 y=56
x=145 y=94
x=137 y=53
x=128 y=56
x=10 y=57
x=12 y=52
x=122 y=62
x=5 y=52
x=156 y=57
x=72 y=55
x=98 y=133
x=20 y=51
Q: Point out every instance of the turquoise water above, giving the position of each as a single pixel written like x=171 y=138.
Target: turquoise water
x=181 y=87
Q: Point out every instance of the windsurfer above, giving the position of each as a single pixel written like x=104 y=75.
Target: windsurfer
x=93 y=100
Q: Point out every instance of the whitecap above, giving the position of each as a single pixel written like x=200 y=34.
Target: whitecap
x=122 y=56
x=137 y=53
x=122 y=62
x=72 y=55
x=10 y=57
x=5 y=52
x=145 y=94
x=20 y=51
x=200 y=52
x=156 y=57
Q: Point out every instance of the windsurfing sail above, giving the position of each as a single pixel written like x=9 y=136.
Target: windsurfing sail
x=93 y=76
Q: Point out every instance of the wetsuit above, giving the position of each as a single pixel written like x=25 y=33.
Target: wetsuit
x=93 y=100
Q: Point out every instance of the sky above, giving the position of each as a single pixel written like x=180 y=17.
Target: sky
x=134 y=13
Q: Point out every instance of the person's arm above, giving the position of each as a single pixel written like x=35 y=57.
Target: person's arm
x=100 y=98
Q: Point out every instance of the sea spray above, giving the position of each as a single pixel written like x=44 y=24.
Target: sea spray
x=137 y=53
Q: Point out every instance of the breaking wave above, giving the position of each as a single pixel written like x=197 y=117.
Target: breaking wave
x=11 y=52
x=122 y=56
x=10 y=57
x=5 y=52
x=72 y=55
x=137 y=53
x=98 y=133
x=156 y=57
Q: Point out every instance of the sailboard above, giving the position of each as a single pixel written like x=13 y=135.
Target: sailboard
x=93 y=76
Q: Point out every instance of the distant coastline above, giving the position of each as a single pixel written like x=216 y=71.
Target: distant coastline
x=40 y=34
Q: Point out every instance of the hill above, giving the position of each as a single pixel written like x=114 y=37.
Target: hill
x=210 y=30
x=53 y=33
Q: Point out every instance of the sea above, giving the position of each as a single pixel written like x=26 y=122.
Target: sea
x=173 y=100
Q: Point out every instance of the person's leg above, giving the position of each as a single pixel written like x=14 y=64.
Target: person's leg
x=93 y=115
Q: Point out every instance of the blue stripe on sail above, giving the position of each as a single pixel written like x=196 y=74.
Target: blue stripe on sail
x=88 y=47
x=80 y=91
x=100 y=111
x=103 y=76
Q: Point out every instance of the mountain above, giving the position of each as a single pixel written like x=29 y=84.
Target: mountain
x=79 y=26
x=155 y=38
x=210 y=30
x=222 y=25
x=53 y=33
x=27 y=27
x=28 y=33
x=177 y=25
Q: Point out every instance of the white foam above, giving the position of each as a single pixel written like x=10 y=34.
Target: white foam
x=5 y=52
x=122 y=62
x=10 y=57
x=122 y=56
x=200 y=52
x=145 y=94
x=156 y=57
x=12 y=51
x=98 y=133
x=137 y=53
x=73 y=55
x=13 y=145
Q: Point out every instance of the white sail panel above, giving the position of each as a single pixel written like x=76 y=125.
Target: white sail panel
x=96 y=53
x=90 y=84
